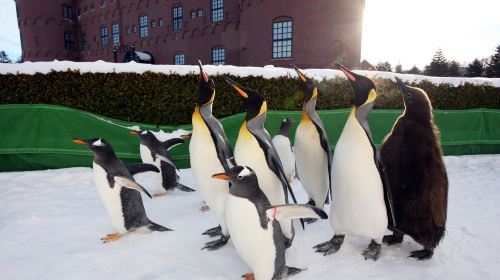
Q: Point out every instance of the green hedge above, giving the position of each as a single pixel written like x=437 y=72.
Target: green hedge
x=169 y=99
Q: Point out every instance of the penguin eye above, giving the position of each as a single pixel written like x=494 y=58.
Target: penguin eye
x=239 y=177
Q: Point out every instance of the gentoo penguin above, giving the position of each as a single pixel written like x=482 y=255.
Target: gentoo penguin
x=118 y=189
x=255 y=148
x=358 y=204
x=413 y=162
x=284 y=148
x=154 y=151
x=210 y=153
x=312 y=148
x=254 y=228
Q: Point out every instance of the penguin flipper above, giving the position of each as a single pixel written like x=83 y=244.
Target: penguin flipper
x=325 y=144
x=127 y=183
x=141 y=167
x=183 y=188
x=157 y=227
x=170 y=143
x=294 y=211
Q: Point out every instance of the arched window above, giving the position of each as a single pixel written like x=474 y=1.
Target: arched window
x=177 y=17
x=282 y=38
x=217 y=10
x=218 y=56
x=179 y=58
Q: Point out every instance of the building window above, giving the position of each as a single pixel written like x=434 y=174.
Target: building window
x=218 y=56
x=127 y=29
x=179 y=58
x=116 y=33
x=143 y=26
x=282 y=39
x=217 y=10
x=69 y=41
x=161 y=23
x=84 y=41
x=134 y=29
x=177 y=17
x=200 y=13
x=104 y=36
x=193 y=14
x=153 y=24
x=103 y=3
x=67 y=12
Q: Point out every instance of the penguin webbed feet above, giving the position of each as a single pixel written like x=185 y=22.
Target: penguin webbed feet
x=373 y=251
x=248 y=276
x=212 y=232
x=394 y=238
x=214 y=245
x=421 y=255
x=331 y=246
x=159 y=194
x=111 y=237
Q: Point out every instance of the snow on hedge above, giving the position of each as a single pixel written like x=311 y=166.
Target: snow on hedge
x=267 y=72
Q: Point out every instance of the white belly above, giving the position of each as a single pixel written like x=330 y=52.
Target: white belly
x=110 y=197
x=254 y=244
x=282 y=145
x=147 y=158
x=247 y=152
x=358 y=199
x=204 y=164
x=312 y=163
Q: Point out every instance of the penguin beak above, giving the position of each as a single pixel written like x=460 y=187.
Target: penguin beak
x=203 y=75
x=301 y=76
x=401 y=85
x=79 y=141
x=186 y=136
x=407 y=94
x=134 y=132
x=221 y=176
x=350 y=75
x=241 y=90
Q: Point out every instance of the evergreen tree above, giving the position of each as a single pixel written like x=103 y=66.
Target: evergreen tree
x=4 y=58
x=414 y=70
x=438 y=66
x=384 y=66
x=398 y=68
x=20 y=59
x=474 y=69
x=454 y=69
x=493 y=68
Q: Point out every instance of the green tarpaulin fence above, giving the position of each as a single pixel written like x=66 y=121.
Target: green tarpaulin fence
x=39 y=136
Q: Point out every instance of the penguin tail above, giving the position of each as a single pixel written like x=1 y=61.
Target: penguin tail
x=157 y=227
x=183 y=188
x=290 y=271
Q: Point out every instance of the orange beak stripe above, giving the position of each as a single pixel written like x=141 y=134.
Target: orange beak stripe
x=78 y=141
x=301 y=76
x=240 y=91
x=187 y=136
x=221 y=176
x=134 y=132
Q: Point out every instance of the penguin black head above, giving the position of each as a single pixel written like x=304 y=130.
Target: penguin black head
x=308 y=86
x=417 y=103
x=99 y=146
x=285 y=126
x=255 y=103
x=206 y=88
x=364 y=88
x=146 y=136
x=239 y=176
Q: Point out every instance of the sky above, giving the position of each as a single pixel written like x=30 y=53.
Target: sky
x=399 y=31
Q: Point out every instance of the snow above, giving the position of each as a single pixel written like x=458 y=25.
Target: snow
x=267 y=71
x=51 y=222
x=143 y=56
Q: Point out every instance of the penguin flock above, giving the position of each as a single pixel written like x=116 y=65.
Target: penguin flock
x=402 y=187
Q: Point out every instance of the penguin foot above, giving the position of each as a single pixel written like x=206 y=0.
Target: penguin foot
x=330 y=246
x=158 y=194
x=248 y=276
x=204 y=208
x=287 y=242
x=111 y=237
x=421 y=255
x=214 y=245
x=310 y=220
x=373 y=251
x=216 y=231
x=395 y=238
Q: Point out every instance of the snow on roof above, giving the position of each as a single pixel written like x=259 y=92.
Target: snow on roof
x=143 y=56
x=267 y=72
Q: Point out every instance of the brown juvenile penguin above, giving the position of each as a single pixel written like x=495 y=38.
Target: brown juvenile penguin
x=413 y=162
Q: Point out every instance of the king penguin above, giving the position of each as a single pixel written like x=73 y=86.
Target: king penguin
x=118 y=190
x=210 y=153
x=417 y=175
x=154 y=151
x=312 y=148
x=255 y=148
x=284 y=148
x=253 y=224
x=358 y=203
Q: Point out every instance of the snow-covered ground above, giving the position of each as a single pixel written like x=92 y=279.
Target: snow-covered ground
x=267 y=72
x=51 y=222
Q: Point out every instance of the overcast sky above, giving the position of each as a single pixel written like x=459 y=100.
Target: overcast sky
x=405 y=31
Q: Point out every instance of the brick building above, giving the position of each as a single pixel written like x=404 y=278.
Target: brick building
x=309 y=33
